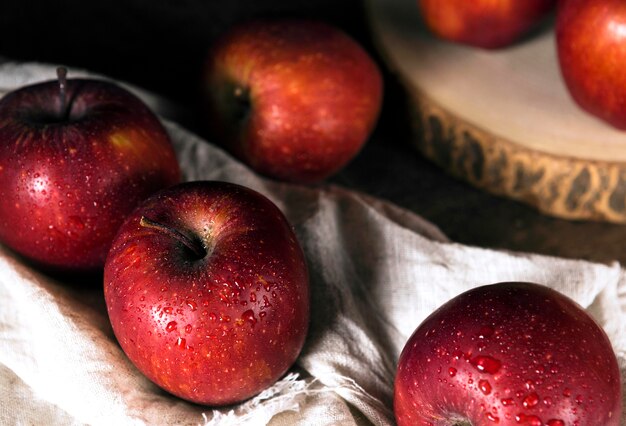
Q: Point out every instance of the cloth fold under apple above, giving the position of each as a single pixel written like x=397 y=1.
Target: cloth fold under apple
x=376 y=272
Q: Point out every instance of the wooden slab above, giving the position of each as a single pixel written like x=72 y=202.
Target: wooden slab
x=503 y=120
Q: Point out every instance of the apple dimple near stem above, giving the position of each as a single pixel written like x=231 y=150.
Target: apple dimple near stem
x=242 y=103
x=196 y=247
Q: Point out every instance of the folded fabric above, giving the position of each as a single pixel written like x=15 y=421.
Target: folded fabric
x=376 y=272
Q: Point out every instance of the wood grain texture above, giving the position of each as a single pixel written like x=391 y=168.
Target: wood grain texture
x=558 y=185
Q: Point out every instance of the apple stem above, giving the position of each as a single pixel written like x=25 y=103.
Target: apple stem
x=191 y=244
x=62 y=77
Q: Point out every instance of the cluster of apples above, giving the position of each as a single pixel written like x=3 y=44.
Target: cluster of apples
x=205 y=283
x=590 y=41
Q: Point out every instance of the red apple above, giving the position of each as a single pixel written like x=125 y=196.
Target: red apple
x=76 y=157
x=489 y=24
x=295 y=100
x=508 y=354
x=591 y=46
x=207 y=291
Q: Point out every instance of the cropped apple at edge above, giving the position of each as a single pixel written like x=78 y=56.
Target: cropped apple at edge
x=508 y=354
x=488 y=24
x=294 y=99
x=76 y=157
x=207 y=290
x=591 y=47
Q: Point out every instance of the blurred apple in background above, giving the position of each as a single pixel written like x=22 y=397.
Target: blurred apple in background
x=591 y=45
x=488 y=24
x=508 y=354
x=295 y=99
x=207 y=291
x=76 y=157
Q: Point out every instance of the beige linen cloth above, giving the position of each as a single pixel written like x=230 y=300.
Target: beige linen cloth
x=376 y=272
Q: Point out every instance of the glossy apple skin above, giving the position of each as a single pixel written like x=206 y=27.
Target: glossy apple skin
x=508 y=354
x=591 y=46
x=295 y=100
x=488 y=24
x=217 y=328
x=68 y=181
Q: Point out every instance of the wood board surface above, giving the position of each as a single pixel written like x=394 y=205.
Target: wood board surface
x=502 y=119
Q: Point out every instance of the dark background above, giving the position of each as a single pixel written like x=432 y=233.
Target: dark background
x=160 y=45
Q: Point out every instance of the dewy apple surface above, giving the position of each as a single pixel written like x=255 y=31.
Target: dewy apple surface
x=76 y=156
x=207 y=290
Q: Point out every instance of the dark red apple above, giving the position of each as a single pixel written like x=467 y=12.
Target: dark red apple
x=76 y=157
x=591 y=46
x=488 y=24
x=207 y=291
x=508 y=354
x=295 y=100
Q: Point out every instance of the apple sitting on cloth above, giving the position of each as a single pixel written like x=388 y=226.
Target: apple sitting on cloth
x=508 y=354
x=207 y=290
x=294 y=99
x=591 y=46
x=76 y=157
x=489 y=24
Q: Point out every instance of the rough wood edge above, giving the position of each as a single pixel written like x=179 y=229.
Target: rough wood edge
x=560 y=186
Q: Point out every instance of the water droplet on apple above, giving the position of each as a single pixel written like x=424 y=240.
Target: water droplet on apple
x=249 y=316
x=267 y=286
x=192 y=305
x=486 y=364
x=530 y=400
x=171 y=326
x=452 y=371
x=567 y=393
x=493 y=418
x=528 y=420
x=556 y=422
x=507 y=402
x=266 y=302
x=485 y=332
x=484 y=386
x=168 y=310
x=188 y=328
x=181 y=342
x=547 y=401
